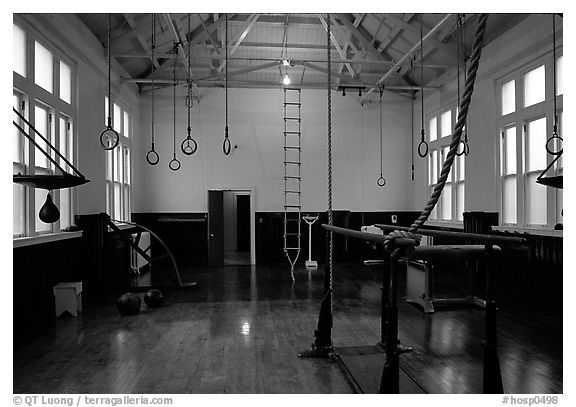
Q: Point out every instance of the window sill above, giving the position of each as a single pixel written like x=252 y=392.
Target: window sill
x=52 y=237
x=445 y=224
x=530 y=231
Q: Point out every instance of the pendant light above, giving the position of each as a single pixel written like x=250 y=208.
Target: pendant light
x=174 y=164
x=189 y=145
x=152 y=156
x=226 y=146
x=109 y=138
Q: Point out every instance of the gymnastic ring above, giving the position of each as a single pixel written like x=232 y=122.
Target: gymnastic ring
x=420 y=153
x=381 y=181
x=152 y=157
x=109 y=134
x=188 y=149
x=463 y=152
x=549 y=150
x=176 y=165
x=188 y=101
x=226 y=146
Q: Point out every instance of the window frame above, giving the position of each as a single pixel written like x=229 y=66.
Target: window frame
x=519 y=119
x=34 y=95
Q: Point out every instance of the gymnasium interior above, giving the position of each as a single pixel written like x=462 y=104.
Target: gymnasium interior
x=279 y=203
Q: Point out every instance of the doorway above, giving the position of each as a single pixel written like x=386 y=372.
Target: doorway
x=235 y=209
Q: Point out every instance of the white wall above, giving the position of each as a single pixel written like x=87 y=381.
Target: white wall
x=256 y=125
x=525 y=42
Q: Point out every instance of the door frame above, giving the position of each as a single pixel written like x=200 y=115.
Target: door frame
x=245 y=191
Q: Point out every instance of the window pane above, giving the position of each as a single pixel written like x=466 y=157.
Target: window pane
x=19 y=50
x=126 y=130
x=461 y=167
x=446 y=198
x=446 y=124
x=432 y=129
x=70 y=154
x=559 y=76
x=559 y=206
x=106 y=110
x=17 y=138
x=434 y=213
x=444 y=155
x=40 y=199
x=18 y=209
x=558 y=143
x=117 y=164
x=65 y=82
x=117 y=201
x=535 y=201
x=510 y=153
x=508 y=97
x=509 y=200
x=535 y=145
x=434 y=167
x=65 y=209
x=460 y=201
x=117 y=118
x=108 y=198
x=43 y=68
x=41 y=124
x=126 y=165
x=534 y=86
x=62 y=147
x=126 y=216
x=109 y=159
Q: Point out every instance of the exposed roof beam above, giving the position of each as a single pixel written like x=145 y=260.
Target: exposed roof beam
x=247 y=27
x=132 y=23
x=337 y=46
x=406 y=56
x=359 y=35
x=371 y=43
x=209 y=35
x=242 y=71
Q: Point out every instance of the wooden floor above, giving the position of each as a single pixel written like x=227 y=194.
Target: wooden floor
x=241 y=329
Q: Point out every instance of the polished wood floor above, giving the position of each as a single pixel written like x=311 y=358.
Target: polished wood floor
x=241 y=329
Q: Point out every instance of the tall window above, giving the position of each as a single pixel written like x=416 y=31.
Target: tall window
x=526 y=122
x=451 y=203
x=118 y=166
x=44 y=94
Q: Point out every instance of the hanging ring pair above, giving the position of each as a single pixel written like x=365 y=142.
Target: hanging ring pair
x=152 y=156
x=423 y=145
x=381 y=181
x=550 y=142
x=174 y=164
x=188 y=148
x=109 y=138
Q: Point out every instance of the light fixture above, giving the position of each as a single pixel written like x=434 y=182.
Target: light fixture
x=359 y=92
x=286 y=80
x=286 y=62
x=343 y=91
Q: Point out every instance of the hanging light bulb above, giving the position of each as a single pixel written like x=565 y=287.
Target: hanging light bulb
x=49 y=213
x=286 y=80
x=286 y=62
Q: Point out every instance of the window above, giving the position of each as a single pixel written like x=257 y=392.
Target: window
x=525 y=125
x=43 y=67
x=118 y=170
x=19 y=50
x=451 y=203
x=45 y=99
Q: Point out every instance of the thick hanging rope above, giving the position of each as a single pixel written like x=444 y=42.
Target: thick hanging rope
x=152 y=156
x=330 y=214
x=462 y=116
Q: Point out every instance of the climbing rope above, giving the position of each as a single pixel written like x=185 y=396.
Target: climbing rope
x=455 y=141
x=330 y=214
x=459 y=43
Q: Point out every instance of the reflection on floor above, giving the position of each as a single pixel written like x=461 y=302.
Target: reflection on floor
x=240 y=332
x=235 y=258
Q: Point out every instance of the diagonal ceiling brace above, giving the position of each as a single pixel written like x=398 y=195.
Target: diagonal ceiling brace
x=249 y=24
x=337 y=46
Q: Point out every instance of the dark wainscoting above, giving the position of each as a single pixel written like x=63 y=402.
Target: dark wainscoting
x=36 y=270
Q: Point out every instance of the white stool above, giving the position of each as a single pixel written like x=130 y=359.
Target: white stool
x=68 y=297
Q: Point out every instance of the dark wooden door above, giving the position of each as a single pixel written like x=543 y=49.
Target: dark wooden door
x=215 y=228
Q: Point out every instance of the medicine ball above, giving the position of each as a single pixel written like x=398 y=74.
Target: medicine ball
x=129 y=304
x=154 y=298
